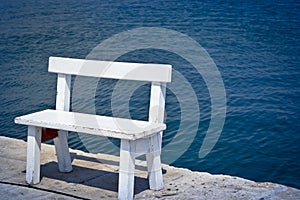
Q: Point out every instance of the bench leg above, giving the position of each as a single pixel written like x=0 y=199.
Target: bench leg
x=62 y=152
x=126 y=171
x=33 y=155
x=154 y=163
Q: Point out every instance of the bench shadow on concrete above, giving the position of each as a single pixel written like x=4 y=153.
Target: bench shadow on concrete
x=92 y=177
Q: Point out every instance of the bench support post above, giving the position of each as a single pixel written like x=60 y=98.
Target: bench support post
x=154 y=163
x=156 y=114
x=33 y=155
x=61 y=142
x=126 y=170
x=62 y=152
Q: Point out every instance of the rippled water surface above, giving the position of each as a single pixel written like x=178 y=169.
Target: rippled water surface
x=255 y=45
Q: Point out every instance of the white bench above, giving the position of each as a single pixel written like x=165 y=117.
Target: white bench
x=137 y=137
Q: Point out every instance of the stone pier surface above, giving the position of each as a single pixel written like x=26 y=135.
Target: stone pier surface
x=95 y=176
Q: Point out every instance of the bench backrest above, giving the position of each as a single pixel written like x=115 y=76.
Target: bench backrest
x=109 y=69
x=158 y=74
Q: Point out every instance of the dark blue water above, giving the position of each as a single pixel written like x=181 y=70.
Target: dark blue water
x=255 y=45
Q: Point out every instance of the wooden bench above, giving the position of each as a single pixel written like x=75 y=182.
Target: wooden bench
x=137 y=137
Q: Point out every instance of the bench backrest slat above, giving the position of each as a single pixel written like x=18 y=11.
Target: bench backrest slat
x=113 y=70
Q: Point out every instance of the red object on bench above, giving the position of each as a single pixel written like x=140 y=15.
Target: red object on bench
x=48 y=134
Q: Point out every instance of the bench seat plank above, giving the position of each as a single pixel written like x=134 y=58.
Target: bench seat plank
x=92 y=124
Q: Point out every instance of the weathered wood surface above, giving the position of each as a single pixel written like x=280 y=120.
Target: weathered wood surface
x=114 y=70
x=92 y=124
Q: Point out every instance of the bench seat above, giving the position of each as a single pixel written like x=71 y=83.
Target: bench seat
x=92 y=124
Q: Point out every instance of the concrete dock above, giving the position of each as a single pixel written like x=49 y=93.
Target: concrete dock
x=95 y=176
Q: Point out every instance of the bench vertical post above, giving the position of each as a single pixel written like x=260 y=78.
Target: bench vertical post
x=156 y=114
x=126 y=170
x=33 y=155
x=61 y=142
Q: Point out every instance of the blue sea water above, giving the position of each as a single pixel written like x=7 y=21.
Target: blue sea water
x=255 y=45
